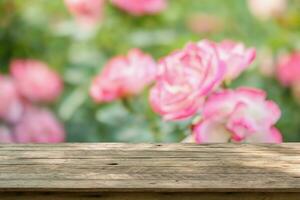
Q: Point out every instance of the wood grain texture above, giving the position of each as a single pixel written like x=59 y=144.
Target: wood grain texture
x=159 y=168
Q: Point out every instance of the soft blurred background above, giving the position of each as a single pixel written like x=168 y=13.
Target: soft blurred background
x=77 y=48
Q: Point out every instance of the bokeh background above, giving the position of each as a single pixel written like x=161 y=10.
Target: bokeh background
x=46 y=31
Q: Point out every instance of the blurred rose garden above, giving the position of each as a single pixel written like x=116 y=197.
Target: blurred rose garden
x=201 y=71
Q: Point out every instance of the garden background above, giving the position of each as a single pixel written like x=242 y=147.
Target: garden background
x=46 y=31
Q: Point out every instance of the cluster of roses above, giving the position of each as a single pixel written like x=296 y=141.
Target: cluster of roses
x=91 y=11
x=190 y=81
x=22 y=117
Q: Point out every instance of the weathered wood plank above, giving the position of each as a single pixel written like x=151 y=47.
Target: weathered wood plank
x=149 y=168
x=152 y=147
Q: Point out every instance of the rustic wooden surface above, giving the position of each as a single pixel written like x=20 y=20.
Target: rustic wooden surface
x=150 y=171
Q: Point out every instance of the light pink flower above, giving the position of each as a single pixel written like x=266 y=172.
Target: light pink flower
x=39 y=125
x=141 y=7
x=11 y=107
x=185 y=78
x=267 y=66
x=5 y=135
x=241 y=115
x=288 y=69
x=204 y=23
x=266 y=9
x=236 y=57
x=35 y=81
x=123 y=76
x=86 y=12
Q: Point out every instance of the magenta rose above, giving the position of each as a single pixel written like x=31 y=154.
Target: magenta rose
x=141 y=7
x=124 y=76
x=185 y=78
x=241 y=115
x=38 y=125
x=35 y=81
x=11 y=106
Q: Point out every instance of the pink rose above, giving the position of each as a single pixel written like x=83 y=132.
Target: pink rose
x=236 y=57
x=35 y=81
x=266 y=9
x=141 y=7
x=11 y=107
x=288 y=69
x=185 y=78
x=123 y=76
x=5 y=135
x=288 y=73
x=39 y=125
x=86 y=12
x=241 y=115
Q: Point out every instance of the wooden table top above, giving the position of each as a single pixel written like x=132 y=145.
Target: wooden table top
x=109 y=167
